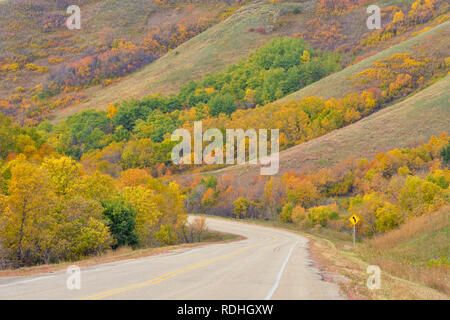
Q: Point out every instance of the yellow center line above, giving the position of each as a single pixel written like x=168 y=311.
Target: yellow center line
x=171 y=274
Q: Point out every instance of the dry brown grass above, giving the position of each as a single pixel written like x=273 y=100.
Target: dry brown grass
x=433 y=277
x=409 y=251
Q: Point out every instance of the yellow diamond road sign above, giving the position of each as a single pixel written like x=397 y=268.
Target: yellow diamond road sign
x=354 y=219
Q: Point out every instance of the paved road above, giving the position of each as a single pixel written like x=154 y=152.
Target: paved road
x=268 y=264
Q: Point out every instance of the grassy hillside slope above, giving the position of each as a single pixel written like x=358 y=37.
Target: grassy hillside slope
x=417 y=251
x=409 y=122
x=339 y=84
x=209 y=52
x=226 y=43
x=41 y=59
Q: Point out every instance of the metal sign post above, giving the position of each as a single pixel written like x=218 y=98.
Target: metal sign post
x=354 y=219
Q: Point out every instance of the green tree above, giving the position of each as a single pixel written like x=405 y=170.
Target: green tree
x=156 y=126
x=7 y=136
x=211 y=182
x=222 y=104
x=85 y=131
x=445 y=154
x=120 y=218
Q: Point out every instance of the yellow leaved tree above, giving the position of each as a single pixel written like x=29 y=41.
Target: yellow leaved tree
x=27 y=214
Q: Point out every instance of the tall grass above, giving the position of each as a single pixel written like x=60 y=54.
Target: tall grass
x=417 y=251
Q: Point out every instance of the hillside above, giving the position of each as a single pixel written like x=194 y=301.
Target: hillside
x=234 y=39
x=49 y=66
x=407 y=123
x=340 y=83
x=417 y=251
x=209 y=52
x=109 y=62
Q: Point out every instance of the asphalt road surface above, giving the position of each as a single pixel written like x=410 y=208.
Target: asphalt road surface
x=269 y=264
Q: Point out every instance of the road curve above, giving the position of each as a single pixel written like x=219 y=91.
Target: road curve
x=269 y=264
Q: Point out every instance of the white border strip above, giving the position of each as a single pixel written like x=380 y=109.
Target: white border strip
x=277 y=282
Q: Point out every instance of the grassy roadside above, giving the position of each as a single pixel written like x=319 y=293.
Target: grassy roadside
x=333 y=253
x=123 y=253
